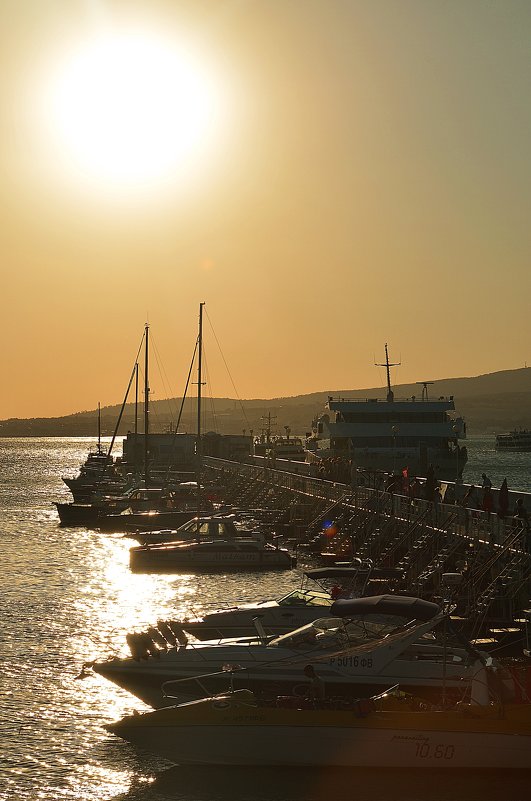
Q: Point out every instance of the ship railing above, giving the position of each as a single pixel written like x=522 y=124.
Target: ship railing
x=411 y=399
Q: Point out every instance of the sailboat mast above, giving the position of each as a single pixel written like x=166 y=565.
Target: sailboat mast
x=99 y=427
x=199 y=449
x=136 y=399
x=146 y=407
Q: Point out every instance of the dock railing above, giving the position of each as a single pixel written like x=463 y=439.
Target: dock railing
x=474 y=524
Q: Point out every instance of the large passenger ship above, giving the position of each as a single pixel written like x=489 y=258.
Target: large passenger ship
x=514 y=441
x=388 y=434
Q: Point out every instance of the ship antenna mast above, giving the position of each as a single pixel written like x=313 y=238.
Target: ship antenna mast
x=387 y=365
x=425 y=385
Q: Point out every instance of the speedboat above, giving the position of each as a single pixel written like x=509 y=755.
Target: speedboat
x=130 y=521
x=317 y=592
x=394 y=730
x=167 y=509
x=202 y=527
x=208 y=543
x=362 y=646
x=137 y=506
x=228 y=553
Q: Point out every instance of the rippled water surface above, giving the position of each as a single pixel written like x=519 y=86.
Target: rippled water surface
x=68 y=596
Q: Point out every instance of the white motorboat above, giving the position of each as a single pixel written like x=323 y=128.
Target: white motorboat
x=363 y=646
x=204 y=527
x=221 y=554
x=317 y=592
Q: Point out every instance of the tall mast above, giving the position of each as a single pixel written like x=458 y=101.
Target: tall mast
x=199 y=450
x=146 y=407
x=387 y=365
x=136 y=400
x=99 y=427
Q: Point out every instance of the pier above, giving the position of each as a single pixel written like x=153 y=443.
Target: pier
x=476 y=561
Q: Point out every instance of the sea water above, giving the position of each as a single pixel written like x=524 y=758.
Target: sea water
x=68 y=596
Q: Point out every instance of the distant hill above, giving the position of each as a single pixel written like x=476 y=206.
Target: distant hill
x=490 y=403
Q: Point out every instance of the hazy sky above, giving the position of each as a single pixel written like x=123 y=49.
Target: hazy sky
x=327 y=175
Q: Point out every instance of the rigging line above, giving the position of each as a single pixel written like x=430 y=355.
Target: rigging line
x=175 y=433
x=211 y=398
x=122 y=409
x=186 y=387
x=164 y=377
x=227 y=369
x=108 y=457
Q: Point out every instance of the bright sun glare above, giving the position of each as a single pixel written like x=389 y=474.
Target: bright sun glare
x=130 y=108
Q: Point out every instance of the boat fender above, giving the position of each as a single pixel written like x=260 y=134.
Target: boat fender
x=157 y=638
x=132 y=641
x=166 y=632
x=144 y=644
x=179 y=632
x=150 y=646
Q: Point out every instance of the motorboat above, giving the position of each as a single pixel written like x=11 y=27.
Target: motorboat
x=393 y=730
x=517 y=441
x=312 y=599
x=95 y=479
x=163 y=508
x=361 y=647
x=130 y=521
x=98 y=470
x=126 y=510
x=198 y=527
x=220 y=554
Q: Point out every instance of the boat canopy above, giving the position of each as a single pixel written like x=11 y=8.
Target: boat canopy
x=403 y=606
x=335 y=572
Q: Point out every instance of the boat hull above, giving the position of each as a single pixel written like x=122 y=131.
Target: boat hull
x=198 y=558
x=254 y=736
x=144 y=521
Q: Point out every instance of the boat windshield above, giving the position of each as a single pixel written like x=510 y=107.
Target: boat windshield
x=305 y=598
x=333 y=632
x=192 y=526
x=215 y=528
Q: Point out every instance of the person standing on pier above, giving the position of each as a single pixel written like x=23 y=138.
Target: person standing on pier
x=521 y=518
x=487 y=483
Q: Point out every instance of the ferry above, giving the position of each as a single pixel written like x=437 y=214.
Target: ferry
x=514 y=441
x=391 y=435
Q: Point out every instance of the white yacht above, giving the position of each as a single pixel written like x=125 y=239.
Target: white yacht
x=317 y=591
x=361 y=647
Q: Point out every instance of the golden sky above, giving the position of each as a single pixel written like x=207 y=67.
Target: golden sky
x=327 y=175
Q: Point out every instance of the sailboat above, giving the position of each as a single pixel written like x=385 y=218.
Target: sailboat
x=232 y=551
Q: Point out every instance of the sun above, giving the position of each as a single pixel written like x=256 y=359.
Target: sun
x=130 y=107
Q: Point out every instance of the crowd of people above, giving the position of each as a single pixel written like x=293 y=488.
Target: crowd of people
x=474 y=499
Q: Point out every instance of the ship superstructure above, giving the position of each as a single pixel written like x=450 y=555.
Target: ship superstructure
x=389 y=434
